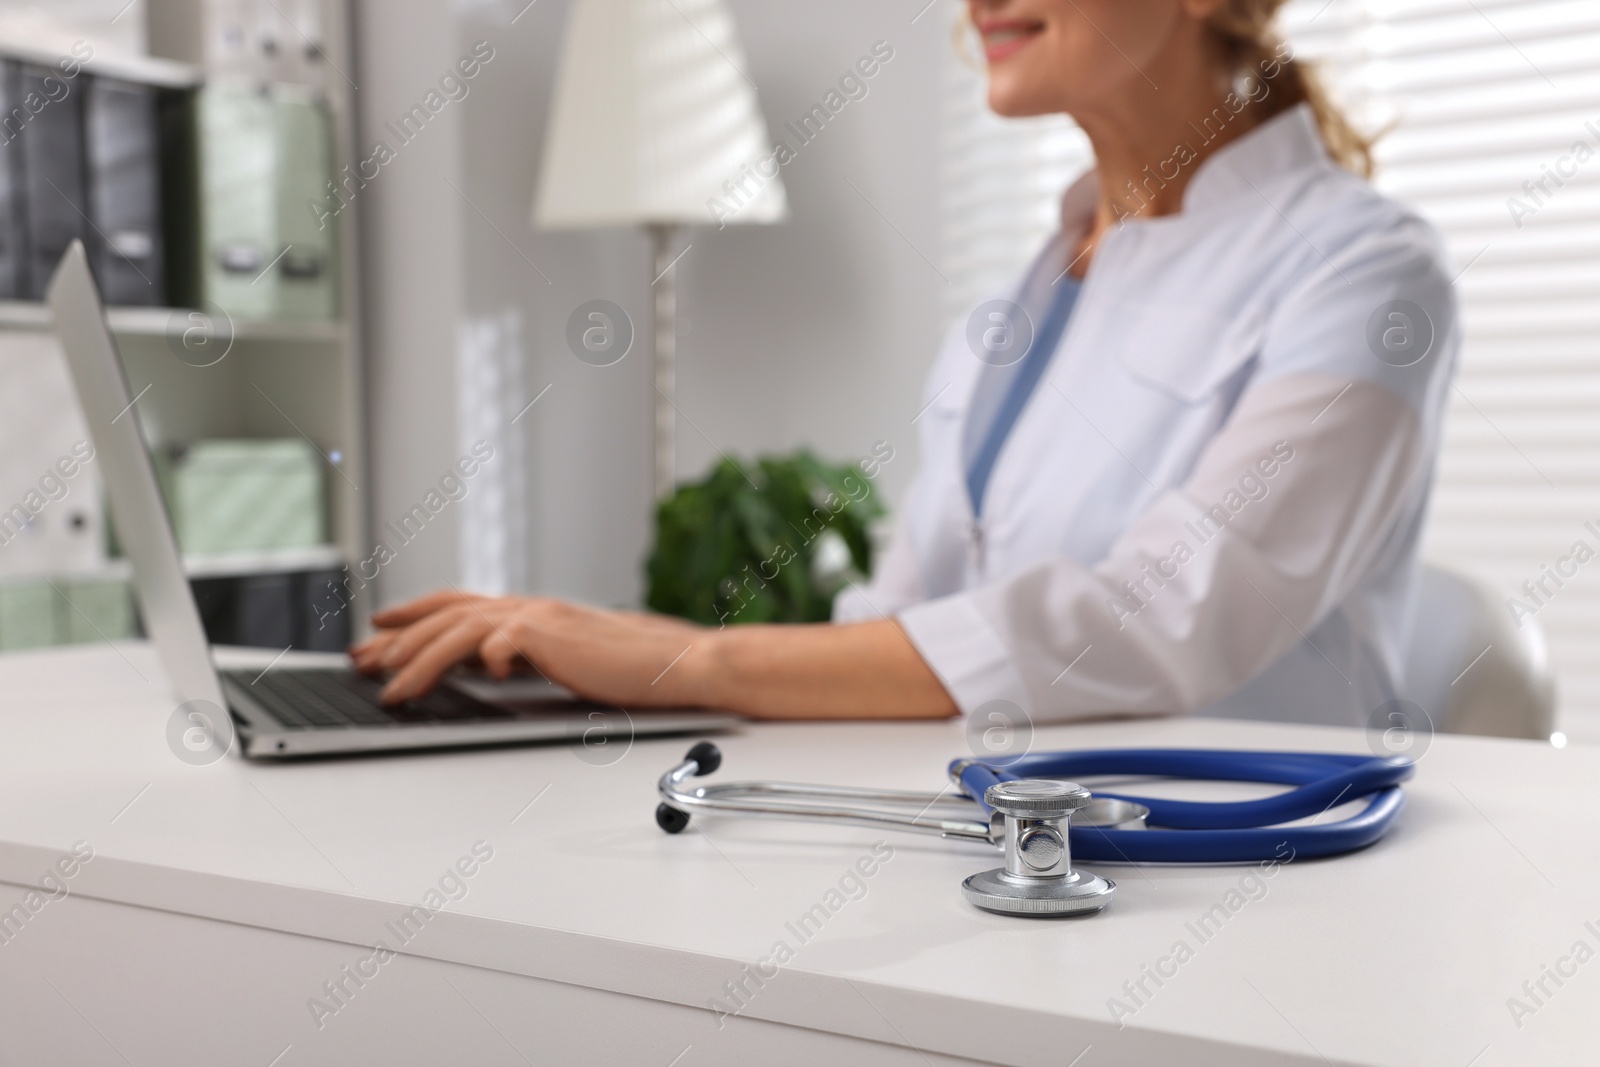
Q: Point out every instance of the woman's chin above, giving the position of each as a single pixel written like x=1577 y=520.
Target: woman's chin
x=1011 y=101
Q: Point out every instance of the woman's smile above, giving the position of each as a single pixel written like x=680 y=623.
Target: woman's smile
x=1004 y=38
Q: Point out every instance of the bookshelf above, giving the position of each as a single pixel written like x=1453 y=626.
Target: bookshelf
x=279 y=378
x=146 y=70
x=171 y=323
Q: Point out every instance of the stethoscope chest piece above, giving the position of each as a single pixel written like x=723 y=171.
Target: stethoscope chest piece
x=1037 y=878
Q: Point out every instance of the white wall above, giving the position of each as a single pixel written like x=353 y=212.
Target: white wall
x=110 y=26
x=413 y=273
x=815 y=332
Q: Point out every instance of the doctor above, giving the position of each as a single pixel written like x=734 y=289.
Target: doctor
x=1182 y=466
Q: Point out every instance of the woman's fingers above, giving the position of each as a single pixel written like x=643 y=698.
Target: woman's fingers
x=605 y=655
x=368 y=655
x=407 y=642
x=444 y=651
x=406 y=627
x=500 y=651
x=411 y=611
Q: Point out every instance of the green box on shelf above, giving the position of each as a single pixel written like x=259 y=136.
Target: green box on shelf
x=29 y=615
x=253 y=209
x=244 y=495
x=41 y=612
x=237 y=203
x=308 y=273
x=100 y=609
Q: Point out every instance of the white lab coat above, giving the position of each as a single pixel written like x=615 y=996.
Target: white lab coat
x=1213 y=501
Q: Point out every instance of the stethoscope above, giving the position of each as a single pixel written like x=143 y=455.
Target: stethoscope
x=1042 y=820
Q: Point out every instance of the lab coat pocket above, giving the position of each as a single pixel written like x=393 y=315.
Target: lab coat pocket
x=1185 y=350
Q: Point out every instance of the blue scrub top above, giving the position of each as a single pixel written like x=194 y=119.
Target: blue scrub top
x=985 y=441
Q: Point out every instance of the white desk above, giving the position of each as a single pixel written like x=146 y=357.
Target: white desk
x=221 y=898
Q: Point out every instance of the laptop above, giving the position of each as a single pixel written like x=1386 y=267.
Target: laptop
x=287 y=711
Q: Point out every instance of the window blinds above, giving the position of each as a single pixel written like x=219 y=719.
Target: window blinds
x=1492 y=113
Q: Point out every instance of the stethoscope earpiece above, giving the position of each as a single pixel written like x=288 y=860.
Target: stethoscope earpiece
x=706 y=758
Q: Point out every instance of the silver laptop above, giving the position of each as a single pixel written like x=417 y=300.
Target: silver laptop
x=285 y=711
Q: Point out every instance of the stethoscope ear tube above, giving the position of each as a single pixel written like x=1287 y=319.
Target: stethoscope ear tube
x=1233 y=831
x=1092 y=844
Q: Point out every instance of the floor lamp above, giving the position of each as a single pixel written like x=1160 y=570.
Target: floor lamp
x=654 y=123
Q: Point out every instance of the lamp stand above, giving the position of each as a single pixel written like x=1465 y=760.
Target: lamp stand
x=664 y=357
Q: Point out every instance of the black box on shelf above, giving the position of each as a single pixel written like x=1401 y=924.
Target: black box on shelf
x=123 y=156
x=53 y=185
x=82 y=158
x=180 y=197
x=264 y=614
x=326 y=622
x=13 y=212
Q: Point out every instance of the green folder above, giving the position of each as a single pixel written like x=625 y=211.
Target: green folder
x=28 y=615
x=307 y=282
x=98 y=609
x=244 y=495
x=237 y=153
x=264 y=159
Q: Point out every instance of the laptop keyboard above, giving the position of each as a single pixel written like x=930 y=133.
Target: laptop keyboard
x=323 y=699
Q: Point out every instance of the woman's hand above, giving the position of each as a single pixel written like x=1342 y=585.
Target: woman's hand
x=866 y=670
x=618 y=657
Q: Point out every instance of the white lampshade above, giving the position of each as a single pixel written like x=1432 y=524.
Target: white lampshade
x=653 y=116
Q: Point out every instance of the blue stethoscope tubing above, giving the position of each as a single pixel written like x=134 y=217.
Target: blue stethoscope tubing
x=1241 y=831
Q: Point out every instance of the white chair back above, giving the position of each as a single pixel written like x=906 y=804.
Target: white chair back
x=1471 y=667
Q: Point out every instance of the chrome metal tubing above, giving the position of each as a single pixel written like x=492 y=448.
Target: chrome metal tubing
x=786 y=800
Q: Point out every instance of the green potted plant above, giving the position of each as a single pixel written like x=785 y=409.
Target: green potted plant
x=769 y=541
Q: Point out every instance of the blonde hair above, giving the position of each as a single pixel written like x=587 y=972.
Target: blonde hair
x=1249 y=37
